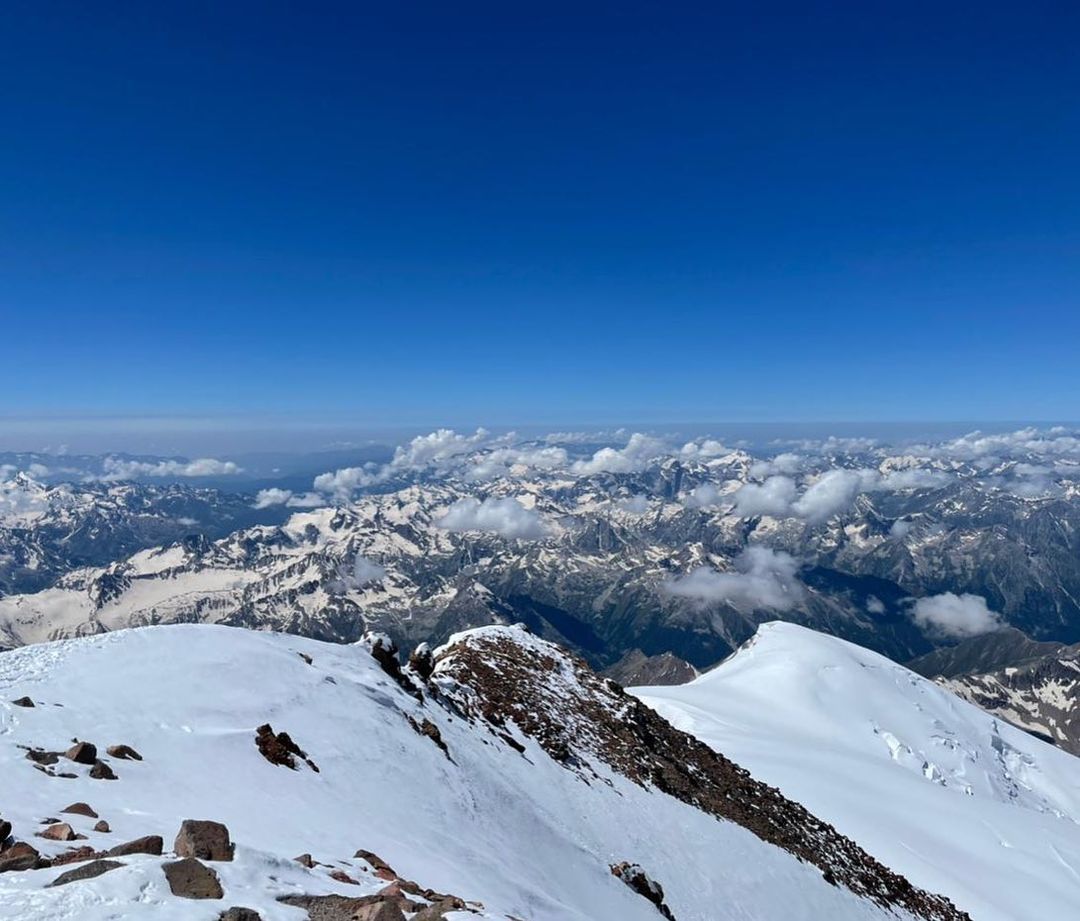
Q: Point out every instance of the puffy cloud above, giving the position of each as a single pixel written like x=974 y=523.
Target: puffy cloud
x=505 y=517
x=365 y=571
x=704 y=496
x=115 y=468
x=832 y=492
x=437 y=447
x=637 y=505
x=702 y=449
x=22 y=500
x=341 y=484
x=1054 y=442
x=786 y=462
x=875 y=605
x=764 y=578
x=900 y=529
x=266 y=498
x=635 y=456
x=498 y=462
x=913 y=478
x=955 y=616
x=773 y=497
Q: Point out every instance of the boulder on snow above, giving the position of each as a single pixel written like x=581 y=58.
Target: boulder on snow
x=82 y=753
x=342 y=908
x=80 y=809
x=237 y=913
x=279 y=748
x=102 y=826
x=5 y=831
x=61 y=831
x=422 y=661
x=123 y=753
x=189 y=879
x=86 y=871
x=23 y=702
x=101 y=771
x=305 y=860
x=203 y=839
x=39 y=756
x=637 y=879
x=21 y=856
x=375 y=862
x=148 y=844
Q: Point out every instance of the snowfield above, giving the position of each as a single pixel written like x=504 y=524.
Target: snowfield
x=940 y=791
x=517 y=832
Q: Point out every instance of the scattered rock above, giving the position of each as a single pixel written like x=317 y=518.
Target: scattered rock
x=82 y=753
x=385 y=651
x=375 y=861
x=149 y=844
x=203 y=839
x=189 y=879
x=23 y=702
x=429 y=730
x=239 y=914
x=86 y=871
x=123 y=753
x=40 y=756
x=638 y=880
x=439 y=910
x=280 y=748
x=305 y=657
x=422 y=661
x=80 y=809
x=341 y=908
x=101 y=771
x=342 y=877
x=5 y=831
x=77 y=855
x=21 y=856
x=59 y=832
x=49 y=821
x=305 y=860
x=102 y=827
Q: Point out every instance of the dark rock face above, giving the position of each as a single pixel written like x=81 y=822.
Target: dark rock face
x=150 y=844
x=82 y=753
x=123 y=753
x=23 y=702
x=203 y=839
x=636 y=669
x=21 y=856
x=189 y=879
x=239 y=914
x=280 y=749
x=86 y=871
x=41 y=757
x=421 y=661
x=502 y=677
x=638 y=880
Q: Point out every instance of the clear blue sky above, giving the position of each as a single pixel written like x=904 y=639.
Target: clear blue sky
x=507 y=213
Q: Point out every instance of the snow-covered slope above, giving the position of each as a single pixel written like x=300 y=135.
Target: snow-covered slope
x=458 y=803
x=956 y=800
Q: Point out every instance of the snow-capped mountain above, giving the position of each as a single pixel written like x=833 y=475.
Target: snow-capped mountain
x=956 y=799
x=496 y=778
x=48 y=530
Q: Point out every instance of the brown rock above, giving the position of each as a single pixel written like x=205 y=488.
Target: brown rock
x=59 y=832
x=23 y=702
x=86 y=871
x=123 y=753
x=306 y=860
x=76 y=855
x=385 y=873
x=21 y=856
x=40 y=756
x=149 y=844
x=80 y=809
x=189 y=879
x=438 y=910
x=102 y=827
x=342 y=908
x=375 y=861
x=82 y=753
x=239 y=914
x=101 y=771
x=279 y=748
x=203 y=839
x=342 y=877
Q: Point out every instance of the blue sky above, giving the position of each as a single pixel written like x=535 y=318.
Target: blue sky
x=382 y=214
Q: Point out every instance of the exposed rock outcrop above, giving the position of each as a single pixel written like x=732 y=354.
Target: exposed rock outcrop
x=203 y=839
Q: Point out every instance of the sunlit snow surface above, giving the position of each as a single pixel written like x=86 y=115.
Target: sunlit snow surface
x=956 y=800
x=519 y=833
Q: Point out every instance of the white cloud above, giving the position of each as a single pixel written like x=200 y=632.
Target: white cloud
x=341 y=484
x=783 y=463
x=637 y=505
x=773 y=497
x=875 y=605
x=437 y=447
x=505 y=517
x=365 y=571
x=499 y=461
x=764 y=578
x=913 y=478
x=266 y=498
x=955 y=616
x=703 y=449
x=704 y=496
x=832 y=492
x=900 y=529
x=115 y=468
x=635 y=456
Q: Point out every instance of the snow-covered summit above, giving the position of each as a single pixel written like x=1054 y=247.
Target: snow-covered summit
x=958 y=801
x=445 y=780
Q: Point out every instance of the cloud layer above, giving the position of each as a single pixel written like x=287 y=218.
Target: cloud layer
x=764 y=578
x=505 y=517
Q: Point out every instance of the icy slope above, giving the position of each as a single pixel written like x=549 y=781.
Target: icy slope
x=956 y=800
x=490 y=819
